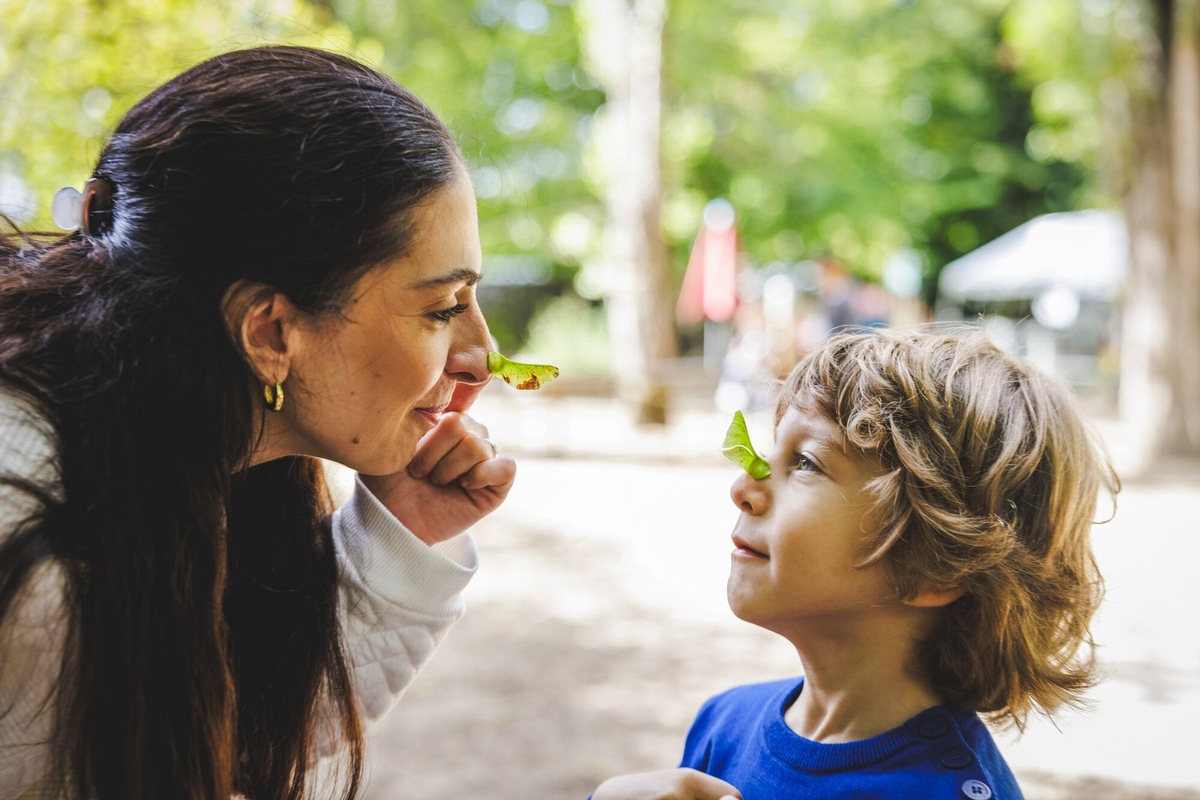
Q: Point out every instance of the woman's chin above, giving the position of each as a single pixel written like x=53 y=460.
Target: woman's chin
x=378 y=460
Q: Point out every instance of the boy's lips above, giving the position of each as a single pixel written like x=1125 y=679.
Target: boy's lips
x=744 y=549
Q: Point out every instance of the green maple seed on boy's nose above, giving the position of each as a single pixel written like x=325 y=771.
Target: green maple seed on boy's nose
x=737 y=448
x=518 y=375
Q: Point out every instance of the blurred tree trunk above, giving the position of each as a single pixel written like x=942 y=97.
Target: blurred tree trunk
x=625 y=46
x=1160 y=386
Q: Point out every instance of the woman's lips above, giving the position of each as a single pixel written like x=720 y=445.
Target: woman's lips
x=431 y=413
x=745 y=550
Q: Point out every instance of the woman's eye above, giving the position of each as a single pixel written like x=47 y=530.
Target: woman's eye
x=447 y=314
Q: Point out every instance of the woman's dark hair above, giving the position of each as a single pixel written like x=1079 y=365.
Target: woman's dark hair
x=204 y=654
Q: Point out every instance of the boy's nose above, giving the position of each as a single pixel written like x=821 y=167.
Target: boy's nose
x=750 y=495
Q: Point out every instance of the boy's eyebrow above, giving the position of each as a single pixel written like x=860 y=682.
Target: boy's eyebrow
x=462 y=275
x=826 y=444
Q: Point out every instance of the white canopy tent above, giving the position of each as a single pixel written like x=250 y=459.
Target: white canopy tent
x=1084 y=252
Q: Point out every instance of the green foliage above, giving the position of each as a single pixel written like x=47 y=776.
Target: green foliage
x=1083 y=64
x=572 y=333
x=506 y=76
x=843 y=129
x=70 y=68
x=854 y=128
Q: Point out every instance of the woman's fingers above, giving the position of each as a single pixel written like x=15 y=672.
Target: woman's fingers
x=455 y=478
x=452 y=449
x=436 y=512
x=466 y=460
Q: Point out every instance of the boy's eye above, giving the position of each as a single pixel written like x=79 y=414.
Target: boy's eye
x=802 y=463
x=447 y=314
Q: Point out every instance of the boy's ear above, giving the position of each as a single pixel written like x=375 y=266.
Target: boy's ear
x=261 y=321
x=935 y=597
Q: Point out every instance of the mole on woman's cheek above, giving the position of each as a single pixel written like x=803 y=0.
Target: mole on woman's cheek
x=357 y=440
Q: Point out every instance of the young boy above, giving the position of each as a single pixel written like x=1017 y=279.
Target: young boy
x=923 y=542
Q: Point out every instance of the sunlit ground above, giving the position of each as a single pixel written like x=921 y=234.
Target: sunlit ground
x=598 y=624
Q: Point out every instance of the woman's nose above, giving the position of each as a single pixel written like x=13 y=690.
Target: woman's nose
x=467 y=361
x=750 y=495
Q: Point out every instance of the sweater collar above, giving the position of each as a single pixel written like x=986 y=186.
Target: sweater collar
x=809 y=756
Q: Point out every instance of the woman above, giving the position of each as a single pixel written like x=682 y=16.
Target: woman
x=181 y=614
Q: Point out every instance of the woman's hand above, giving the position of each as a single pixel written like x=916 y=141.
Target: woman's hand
x=455 y=477
x=668 y=784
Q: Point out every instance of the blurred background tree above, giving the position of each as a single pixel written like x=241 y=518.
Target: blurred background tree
x=625 y=49
x=845 y=132
x=851 y=129
x=1117 y=90
x=69 y=70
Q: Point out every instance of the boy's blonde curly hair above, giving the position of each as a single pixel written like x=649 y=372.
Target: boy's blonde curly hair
x=991 y=480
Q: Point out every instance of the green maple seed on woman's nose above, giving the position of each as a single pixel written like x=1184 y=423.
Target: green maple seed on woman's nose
x=521 y=376
x=737 y=448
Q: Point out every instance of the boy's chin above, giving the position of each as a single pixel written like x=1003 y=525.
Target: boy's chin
x=754 y=609
x=740 y=604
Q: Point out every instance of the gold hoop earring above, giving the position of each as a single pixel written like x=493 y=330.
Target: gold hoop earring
x=273 y=396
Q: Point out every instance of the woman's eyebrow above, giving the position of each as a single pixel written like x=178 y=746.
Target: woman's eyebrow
x=463 y=275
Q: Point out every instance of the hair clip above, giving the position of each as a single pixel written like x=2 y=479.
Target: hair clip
x=89 y=210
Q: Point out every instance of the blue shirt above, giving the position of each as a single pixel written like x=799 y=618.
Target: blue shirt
x=940 y=754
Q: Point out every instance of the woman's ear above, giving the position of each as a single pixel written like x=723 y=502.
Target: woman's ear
x=935 y=597
x=261 y=321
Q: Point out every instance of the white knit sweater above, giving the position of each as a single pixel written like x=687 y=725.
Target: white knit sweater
x=399 y=597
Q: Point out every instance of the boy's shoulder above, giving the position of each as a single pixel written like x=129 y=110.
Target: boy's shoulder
x=740 y=735
x=761 y=690
x=752 y=699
